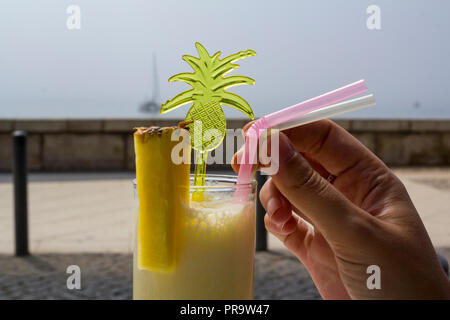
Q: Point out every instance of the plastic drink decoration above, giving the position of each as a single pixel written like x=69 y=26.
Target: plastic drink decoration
x=207 y=123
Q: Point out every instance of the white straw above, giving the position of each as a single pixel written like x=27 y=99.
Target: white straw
x=330 y=111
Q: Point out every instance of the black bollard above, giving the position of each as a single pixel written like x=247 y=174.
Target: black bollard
x=261 y=232
x=20 y=192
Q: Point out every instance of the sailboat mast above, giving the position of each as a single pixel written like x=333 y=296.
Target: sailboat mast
x=155 y=93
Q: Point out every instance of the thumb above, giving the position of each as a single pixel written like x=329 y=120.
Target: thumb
x=329 y=210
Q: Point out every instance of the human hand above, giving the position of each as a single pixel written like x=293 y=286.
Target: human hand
x=364 y=217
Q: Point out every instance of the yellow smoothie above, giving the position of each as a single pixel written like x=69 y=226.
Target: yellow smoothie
x=215 y=253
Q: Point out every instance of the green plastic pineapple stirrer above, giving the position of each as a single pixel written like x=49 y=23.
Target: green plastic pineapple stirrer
x=208 y=95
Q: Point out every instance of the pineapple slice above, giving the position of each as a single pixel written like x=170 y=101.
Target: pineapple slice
x=162 y=188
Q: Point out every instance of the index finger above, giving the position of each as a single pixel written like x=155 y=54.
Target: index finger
x=329 y=145
x=358 y=171
x=332 y=146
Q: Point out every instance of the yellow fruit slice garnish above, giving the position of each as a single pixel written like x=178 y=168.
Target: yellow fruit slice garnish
x=162 y=188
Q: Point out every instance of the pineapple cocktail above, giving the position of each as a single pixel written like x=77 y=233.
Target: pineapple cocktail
x=188 y=249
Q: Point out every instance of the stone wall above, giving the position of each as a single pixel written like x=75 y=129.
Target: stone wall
x=83 y=145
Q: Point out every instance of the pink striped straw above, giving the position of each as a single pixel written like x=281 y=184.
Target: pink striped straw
x=282 y=116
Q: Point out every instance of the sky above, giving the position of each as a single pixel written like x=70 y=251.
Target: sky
x=304 y=48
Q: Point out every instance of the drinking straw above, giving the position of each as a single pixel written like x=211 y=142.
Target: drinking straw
x=328 y=112
x=293 y=116
x=321 y=101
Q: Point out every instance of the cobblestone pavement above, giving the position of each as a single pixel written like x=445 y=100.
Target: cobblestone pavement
x=109 y=276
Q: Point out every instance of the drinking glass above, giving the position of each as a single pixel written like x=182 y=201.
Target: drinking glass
x=214 y=246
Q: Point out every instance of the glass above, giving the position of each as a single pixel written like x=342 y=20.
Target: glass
x=215 y=250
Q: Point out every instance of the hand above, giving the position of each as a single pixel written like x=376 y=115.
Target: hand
x=365 y=217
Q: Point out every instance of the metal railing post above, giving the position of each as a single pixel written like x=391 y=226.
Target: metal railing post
x=261 y=232
x=20 y=192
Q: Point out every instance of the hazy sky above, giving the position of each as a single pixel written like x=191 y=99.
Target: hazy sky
x=304 y=48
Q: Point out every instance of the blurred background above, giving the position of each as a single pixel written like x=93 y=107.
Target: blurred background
x=124 y=51
x=77 y=76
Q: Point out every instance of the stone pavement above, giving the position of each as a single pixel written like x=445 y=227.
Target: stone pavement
x=86 y=219
x=109 y=276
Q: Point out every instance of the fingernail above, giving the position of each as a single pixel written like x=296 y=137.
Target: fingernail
x=273 y=205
